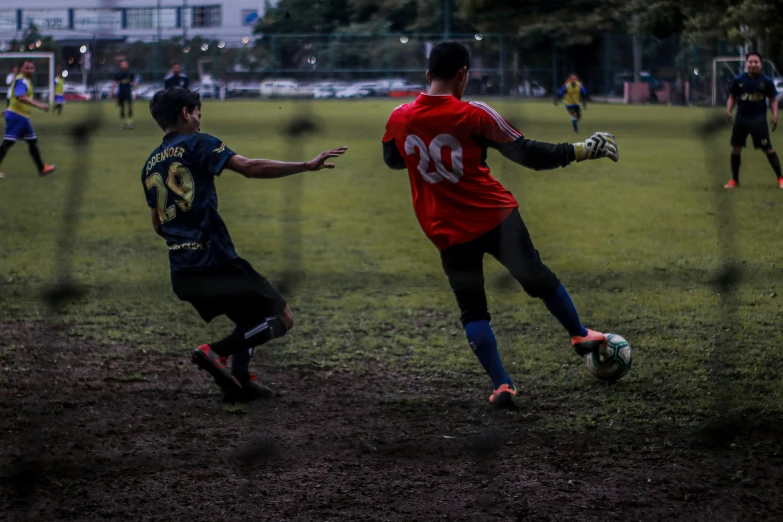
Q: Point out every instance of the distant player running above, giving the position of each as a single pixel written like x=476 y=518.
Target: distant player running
x=17 y=118
x=59 y=91
x=124 y=81
x=466 y=213
x=750 y=92
x=179 y=184
x=573 y=93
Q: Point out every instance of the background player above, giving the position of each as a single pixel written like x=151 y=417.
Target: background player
x=750 y=92
x=124 y=82
x=179 y=183
x=17 y=118
x=176 y=79
x=59 y=91
x=573 y=93
x=466 y=213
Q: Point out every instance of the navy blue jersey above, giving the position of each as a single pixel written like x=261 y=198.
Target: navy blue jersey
x=179 y=182
x=124 y=80
x=179 y=80
x=751 y=95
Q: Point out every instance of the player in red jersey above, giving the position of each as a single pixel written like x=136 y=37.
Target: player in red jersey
x=466 y=213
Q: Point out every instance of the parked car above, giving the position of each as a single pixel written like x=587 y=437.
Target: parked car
x=532 y=89
x=283 y=88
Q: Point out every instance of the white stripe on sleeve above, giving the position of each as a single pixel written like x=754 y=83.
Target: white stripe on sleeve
x=503 y=124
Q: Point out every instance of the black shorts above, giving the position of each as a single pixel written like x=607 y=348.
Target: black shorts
x=124 y=99
x=574 y=109
x=758 y=130
x=510 y=244
x=233 y=289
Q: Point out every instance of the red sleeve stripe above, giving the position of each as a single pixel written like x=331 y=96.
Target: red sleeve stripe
x=510 y=131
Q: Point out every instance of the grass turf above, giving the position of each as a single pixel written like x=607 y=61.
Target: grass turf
x=636 y=243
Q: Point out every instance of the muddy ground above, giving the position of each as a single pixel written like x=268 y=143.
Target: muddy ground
x=93 y=432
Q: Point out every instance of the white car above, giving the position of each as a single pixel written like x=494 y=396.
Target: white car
x=354 y=91
x=779 y=86
x=286 y=88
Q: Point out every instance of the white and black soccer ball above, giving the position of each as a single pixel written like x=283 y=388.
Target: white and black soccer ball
x=613 y=361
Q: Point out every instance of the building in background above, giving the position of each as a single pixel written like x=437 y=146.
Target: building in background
x=131 y=20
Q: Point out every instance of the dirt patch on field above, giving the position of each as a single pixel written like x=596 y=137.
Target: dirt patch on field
x=94 y=432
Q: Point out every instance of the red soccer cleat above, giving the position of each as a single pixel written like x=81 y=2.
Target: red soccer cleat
x=212 y=363
x=503 y=397
x=589 y=343
x=780 y=181
x=731 y=184
x=48 y=169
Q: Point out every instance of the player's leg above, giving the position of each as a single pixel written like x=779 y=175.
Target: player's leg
x=121 y=103
x=130 y=112
x=514 y=249
x=30 y=137
x=761 y=140
x=4 y=148
x=739 y=136
x=464 y=268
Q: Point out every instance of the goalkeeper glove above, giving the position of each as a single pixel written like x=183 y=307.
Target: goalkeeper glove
x=599 y=145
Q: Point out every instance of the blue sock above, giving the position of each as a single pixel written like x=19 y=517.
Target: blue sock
x=485 y=346
x=561 y=306
x=575 y=123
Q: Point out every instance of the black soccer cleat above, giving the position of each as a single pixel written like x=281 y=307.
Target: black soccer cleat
x=252 y=389
x=212 y=363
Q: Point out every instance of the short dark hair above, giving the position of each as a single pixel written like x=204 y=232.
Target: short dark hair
x=167 y=105
x=754 y=53
x=446 y=59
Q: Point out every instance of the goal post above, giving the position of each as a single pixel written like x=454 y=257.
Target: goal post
x=8 y=60
x=734 y=65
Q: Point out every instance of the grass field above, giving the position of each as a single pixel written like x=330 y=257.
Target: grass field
x=638 y=244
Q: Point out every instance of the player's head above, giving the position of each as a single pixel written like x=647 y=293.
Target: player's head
x=176 y=68
x=15 y=69
x=124 y=65
x=753 y=62
x=177 y=109
x=449 y=64
x=573 y=78
x=28 y=68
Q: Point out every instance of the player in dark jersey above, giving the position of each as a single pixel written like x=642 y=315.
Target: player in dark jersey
x=176 y=78
x=466 y=213
x=124 y=81
x=179 y=184
x=750 y=92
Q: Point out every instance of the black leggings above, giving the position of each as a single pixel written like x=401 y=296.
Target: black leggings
x=122 y=101
x=510 y=244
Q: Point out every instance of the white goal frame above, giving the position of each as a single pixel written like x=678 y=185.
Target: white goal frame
x=25 y=56
x=724 y=60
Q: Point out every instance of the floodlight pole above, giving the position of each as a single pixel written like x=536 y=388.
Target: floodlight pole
x=446 y=19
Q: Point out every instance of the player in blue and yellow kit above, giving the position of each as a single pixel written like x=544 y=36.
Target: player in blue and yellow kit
x=750 y=92
x=59 y=91
x=573 y=93
x=179 y=184
x=17 y=118
x=124 y=81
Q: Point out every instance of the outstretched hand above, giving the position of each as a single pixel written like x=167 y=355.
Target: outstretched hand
x=599 y=145
x=319 y=162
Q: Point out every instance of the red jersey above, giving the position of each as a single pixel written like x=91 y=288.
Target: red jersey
x=442 y=141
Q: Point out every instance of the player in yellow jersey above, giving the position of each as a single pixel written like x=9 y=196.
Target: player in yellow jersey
x=17 y=118
x=573 y=93
x=59 y=91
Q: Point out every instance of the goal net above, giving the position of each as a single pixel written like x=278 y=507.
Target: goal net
x=726 y=68
x=43 y=81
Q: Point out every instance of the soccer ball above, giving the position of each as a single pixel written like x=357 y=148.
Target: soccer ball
x=613 y=361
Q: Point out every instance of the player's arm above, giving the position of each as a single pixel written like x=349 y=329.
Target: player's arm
x=773 y=103
x=559 y=94
x=499 y=134
x=584 y=96
x=156 y=224
x=392 y=156
x=272 y=169
x=21 y=96
x=735 y=91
